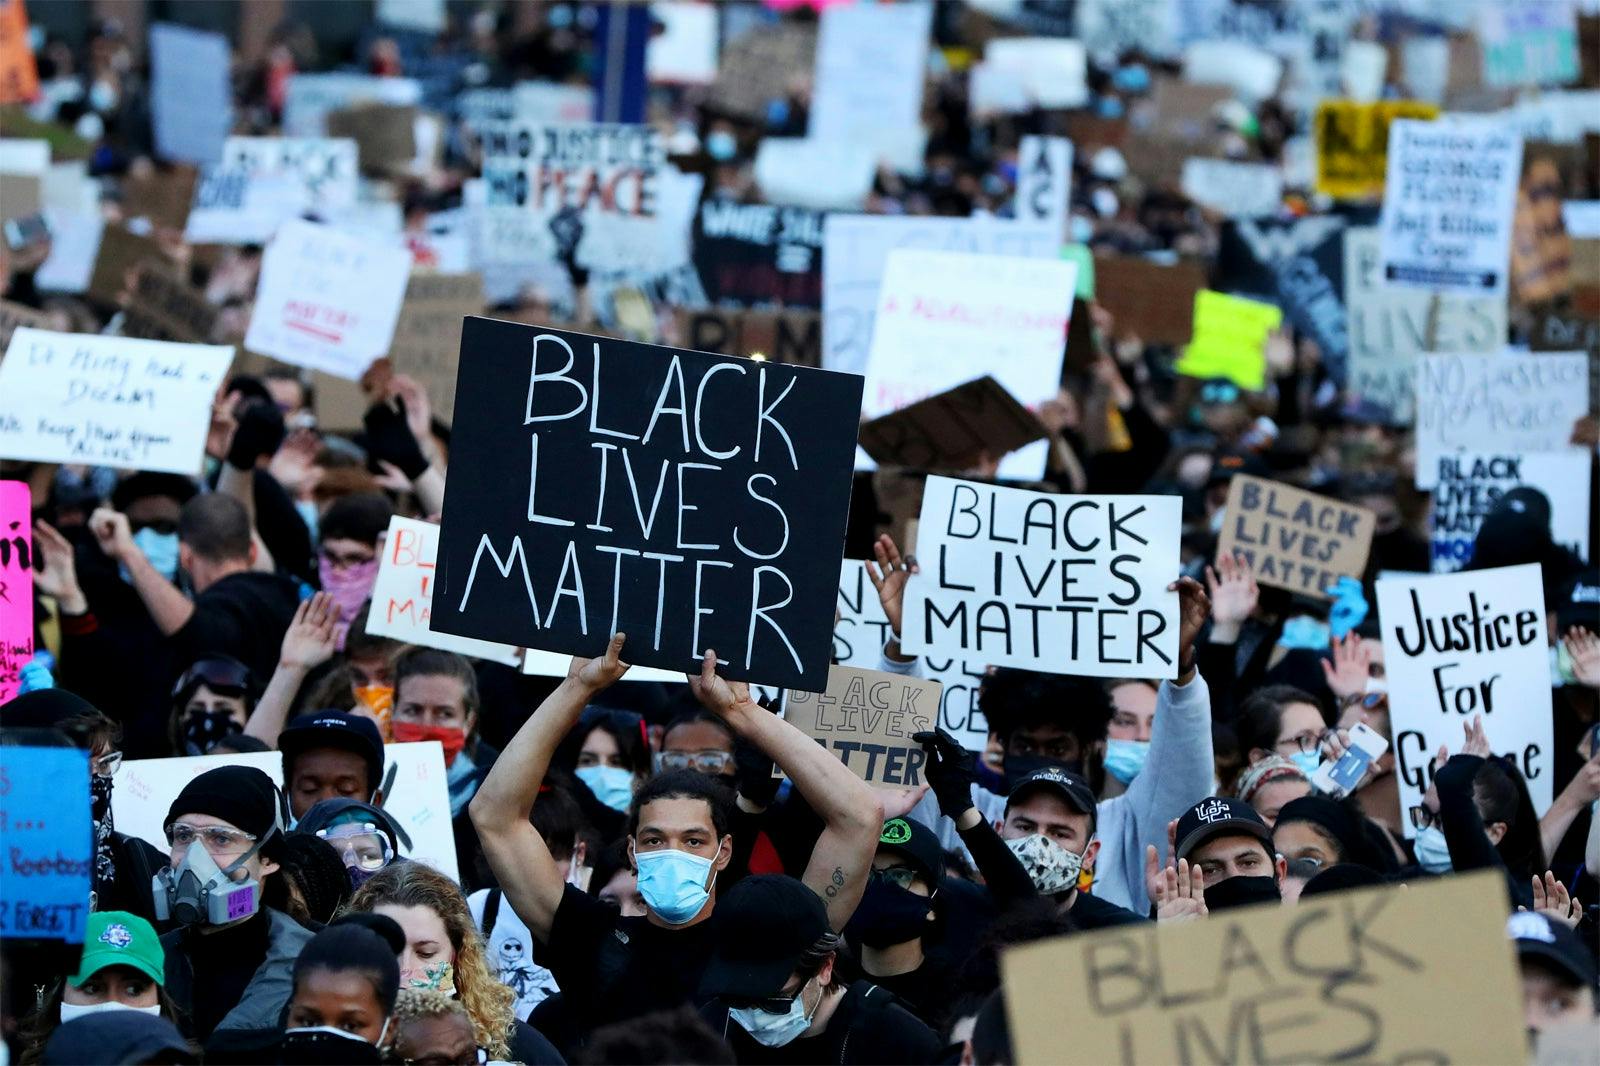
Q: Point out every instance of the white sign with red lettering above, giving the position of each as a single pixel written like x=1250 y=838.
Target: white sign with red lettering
x=402 y=596
x=327 y=300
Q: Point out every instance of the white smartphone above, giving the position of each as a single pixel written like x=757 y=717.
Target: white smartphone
x=1340 y=778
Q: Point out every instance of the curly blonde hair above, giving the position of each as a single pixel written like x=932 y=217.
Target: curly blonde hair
x=488 y=1002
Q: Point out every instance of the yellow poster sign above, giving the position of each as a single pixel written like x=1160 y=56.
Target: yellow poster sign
x=1230 y=339
x=1353 y=144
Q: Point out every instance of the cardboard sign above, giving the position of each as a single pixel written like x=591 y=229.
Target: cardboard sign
x=191 y=97
x=1536 y=44
x=1556 y=332
x=427 y=337
x=856 y=252
x=163 y=196
x=121 y=253
x=163 y=308
x=783 y=337
x=1230 y=338
x=757 y=255
x=108 y=401
x=689 y=500
x=1150 y=300
x=327 y=300
x=1447 y=205
x=943 y=314
x=953 y=430
x=1297 y=264
x=419 y=801
x=761 y=65
x=312 y=96
x=865 y=719
x=1503 y=403
x=1467 y=486
x=1294 y=539
x=871 y=62
x=323 y=169
x=1059 y=584
x=1234 y=190
x=44 y=805
x=1375 y=973
x=1390 y=326
x=1541 y=250
x=1353 y=144
x=1044 y=180
x=19 y=74
x=402 y=595
x=16 y=584
x=13 y=316
x=384 y=135
x=1458 y=645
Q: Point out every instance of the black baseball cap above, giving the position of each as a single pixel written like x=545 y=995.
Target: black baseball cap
x=916 y=842
x=1537 y=936
x=334 y=729
x=1216 y=816
x=1063 y=782
x=761 y=928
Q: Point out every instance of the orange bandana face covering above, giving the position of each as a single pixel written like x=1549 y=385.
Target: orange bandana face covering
x=378 y=701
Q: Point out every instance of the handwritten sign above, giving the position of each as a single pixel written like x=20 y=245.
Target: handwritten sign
x=16 y=584
x=1234 y=190
x=324 y=170
x=1230 y=339
x=1294 y=539
x=871 y=62
x=1458 y=645
x=781 y=336
x=419 y=801
x=44 y=816
x=1060 y=584
x=1533 y=44
x=402 y=595
x=954 y=430
x=1353 y=144
x=427 y=337
x=1044 y=180
x=1448 y=199
x=1469 y=485
x=1505 y=403
x=865 y=719
x=1374 y=974
x=327 y=300
x=108 y=401
x=756 y=255
x=690 y=500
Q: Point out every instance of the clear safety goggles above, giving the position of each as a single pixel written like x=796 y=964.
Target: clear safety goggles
x=360 y=844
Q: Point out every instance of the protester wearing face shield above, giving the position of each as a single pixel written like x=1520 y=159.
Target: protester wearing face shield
x=365 y=837
x=772 y=971
x=211 y=701
x=228 y=962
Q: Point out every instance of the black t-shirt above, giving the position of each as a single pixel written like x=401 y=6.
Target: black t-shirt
x=611 y=968
x=244 y=615
x=869 y=1026
x=1092 y=912
x=924 y=991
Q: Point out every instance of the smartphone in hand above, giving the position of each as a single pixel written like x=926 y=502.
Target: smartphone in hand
x=1340 y=778
x=23 y=232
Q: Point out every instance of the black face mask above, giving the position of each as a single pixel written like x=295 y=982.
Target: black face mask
x=1241 y=892
x=1017 y=767
x=202 y=730
x=319 y=1045
x=888 y=915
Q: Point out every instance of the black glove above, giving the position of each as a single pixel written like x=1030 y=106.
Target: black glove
x=949 y=771
x=391 y=440
x=259 y=431
x=753 y=774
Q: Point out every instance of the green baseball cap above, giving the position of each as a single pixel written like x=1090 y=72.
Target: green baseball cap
x=117 y=938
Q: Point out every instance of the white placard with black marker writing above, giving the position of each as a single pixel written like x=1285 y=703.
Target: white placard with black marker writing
x=1044 y=180
x=1061 y=584
x=1459 y=645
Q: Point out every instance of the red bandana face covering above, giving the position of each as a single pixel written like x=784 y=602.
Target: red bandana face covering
x=449 y=738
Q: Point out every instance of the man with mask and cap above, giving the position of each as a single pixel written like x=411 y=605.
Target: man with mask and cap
x=1227 y=844
x=893 y=926
x=229 y=964
x=328 y=755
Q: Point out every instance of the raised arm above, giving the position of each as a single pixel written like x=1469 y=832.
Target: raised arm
x=517 y=854
x=851 y=813
x=168 y=607
x=307 y=643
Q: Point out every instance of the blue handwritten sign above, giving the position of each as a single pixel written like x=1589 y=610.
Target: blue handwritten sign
x=48 y=843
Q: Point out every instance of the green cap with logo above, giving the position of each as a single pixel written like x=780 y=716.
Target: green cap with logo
x=117 y=938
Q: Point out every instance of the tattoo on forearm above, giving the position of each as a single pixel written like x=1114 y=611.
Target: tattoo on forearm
x=835 y=883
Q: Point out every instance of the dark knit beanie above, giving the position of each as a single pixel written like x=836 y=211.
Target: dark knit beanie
x=242 y=796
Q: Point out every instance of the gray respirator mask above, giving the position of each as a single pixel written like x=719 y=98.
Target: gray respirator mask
x=199 y=892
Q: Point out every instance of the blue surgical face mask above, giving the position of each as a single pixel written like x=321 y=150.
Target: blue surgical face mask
x=1303 y=631
x=161 y=549
x=1433 y=854
x=611 y=785
x=1306 y=761
x=1125 y=758
x=776 y=1030
x=673 y=883
x=721 y=145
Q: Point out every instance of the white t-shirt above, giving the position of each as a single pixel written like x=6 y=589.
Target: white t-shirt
x=510 y=947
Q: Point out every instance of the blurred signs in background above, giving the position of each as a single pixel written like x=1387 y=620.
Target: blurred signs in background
x=191 y=93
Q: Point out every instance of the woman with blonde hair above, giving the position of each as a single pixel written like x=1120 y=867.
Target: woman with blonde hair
x=444 y=951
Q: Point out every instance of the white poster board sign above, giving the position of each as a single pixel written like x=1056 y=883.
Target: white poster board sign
x=236 y=207
x=1469 y=484
x=1235 y=190
x=871 y=63
x=327 y=301
x=685 y=51
x=312 y=96
x=1449 y=195
x=946 y=317
x=855 y=251
x=74 y=245
x=402 y=595
x=1041 y=581
x=1458 y=645
x=1054 y=70
x=325 y=170
x=1501 y=403
x=418 y=801
x=108 y=401
x=1250 y=72
x=191 y=99
x=1044 y=180
x=809 y=172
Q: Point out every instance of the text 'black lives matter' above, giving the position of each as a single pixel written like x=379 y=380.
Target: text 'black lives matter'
x=689 y=500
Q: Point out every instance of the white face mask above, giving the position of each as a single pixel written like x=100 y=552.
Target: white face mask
x=73 y=1011
x=1051 y=867
x=776 y=1030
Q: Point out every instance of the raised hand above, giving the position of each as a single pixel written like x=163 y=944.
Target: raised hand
x=1152 y=860
x=889 y=576
x=1551 y=899
x=1477 y=740
x=1193 y=608
x=59 y=574
x=1584 y=648
x=601 y=673
x=1346 y=671
x=949 y=770
x=1234 y=595
x=1181 y=896
x=716 y=693
x=113 y=534
x=898 y=802
x=309 y=640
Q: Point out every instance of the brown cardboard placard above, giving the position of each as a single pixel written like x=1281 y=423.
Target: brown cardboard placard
x=163 y=196
x=13 y=315
x=865 y=719
x=385 y=134
x=20 y=195
x=951 y=431
x=781 y=336
x=1155 y=302
x=1426 y=973
x=163 y=308
x=1294 y=539
x=122 y=252
x=760 y=65
x=427 y=337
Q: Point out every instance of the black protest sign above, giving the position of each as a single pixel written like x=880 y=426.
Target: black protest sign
x=1554 y=331
x=952 y=430
x=866 y=719
x=759 y=255
x=1297 y=264
x=690 y=500
x=781 y=336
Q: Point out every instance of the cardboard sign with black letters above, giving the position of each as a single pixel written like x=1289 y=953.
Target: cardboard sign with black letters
x=689 y=500
x=428 y=333
x=1295 y=539
x=952 y=431
x=1426 y=974
x=865 y=719
x=162 y=307
x=781 y=336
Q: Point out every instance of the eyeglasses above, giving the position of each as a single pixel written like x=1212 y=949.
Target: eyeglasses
x=707 y=762
x=106 y=765
x=218 y=839
x=1423 y=818
x=360 y=845
x=899 y=876
x=346 y=561
x=1307 y=742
